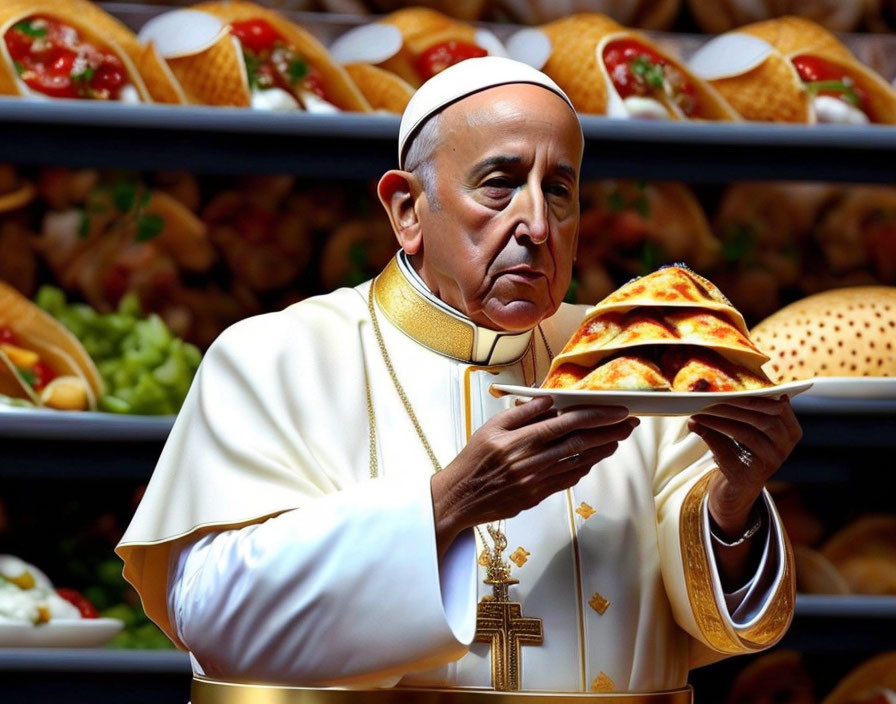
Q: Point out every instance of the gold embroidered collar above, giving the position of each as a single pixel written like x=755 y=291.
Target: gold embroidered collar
x=412 y=308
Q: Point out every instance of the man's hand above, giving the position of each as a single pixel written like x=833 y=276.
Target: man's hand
x=518 y=458
x=750 y=439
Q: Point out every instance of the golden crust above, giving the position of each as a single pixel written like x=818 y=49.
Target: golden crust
x=629 y=372
x=771 y=92
x=383 y=89
x=215 y=76
x=160 y=81
x=828 y=334
x=879 y=672
x=156 y=81
x=422 y=28
x=573 y=60
x=340 y=89
x=45 y=335
x=791 y=34
x=92 y=23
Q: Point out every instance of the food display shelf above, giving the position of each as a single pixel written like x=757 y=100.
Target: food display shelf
x=122 y=447
x=234 y=140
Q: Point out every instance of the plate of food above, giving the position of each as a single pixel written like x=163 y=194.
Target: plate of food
x=668 y=343
x=35 y=614
x=651 y=403
x=60 y=633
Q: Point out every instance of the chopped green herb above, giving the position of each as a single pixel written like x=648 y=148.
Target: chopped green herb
x=297 y=70
x=652 y=73
x=844 y=89
x=25 y=27
x=616 y=202
x=739 y=242
x=642 y=207
x=27 y=376
x=149 y=226
x=20 y=69
x=651 y=256
x=252 y=65
x=83 y=224
x=124 y=195
x=84 y=76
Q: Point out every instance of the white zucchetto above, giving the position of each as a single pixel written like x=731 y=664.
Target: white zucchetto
x=463 y=79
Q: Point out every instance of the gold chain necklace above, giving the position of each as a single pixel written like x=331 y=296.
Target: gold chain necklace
x=499 y=621
x=409 y=409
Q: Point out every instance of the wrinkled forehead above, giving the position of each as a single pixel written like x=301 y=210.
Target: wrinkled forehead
x=507 y=114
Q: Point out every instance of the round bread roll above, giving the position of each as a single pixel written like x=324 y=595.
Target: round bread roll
x=867 y=680
x=815 y=574
x=841 y=332
x=778 y=677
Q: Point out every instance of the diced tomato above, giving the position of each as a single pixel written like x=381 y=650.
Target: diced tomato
x=18 y=44
x=43 y=375
x=109 y=76
x=48 y=84
x=256 y=35
x=439 y=57
x=62 y=63
x=73 y=596
x=8 y=336
x=315 y=84
x=814 y=68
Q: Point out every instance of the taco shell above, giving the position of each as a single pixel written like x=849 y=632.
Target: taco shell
x=383 y=89
x=152 y=82
x=576 y=64
x=340 y=89
x=39 y=334
x=866 y=679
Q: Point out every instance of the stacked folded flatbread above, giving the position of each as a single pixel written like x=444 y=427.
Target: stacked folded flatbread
x=671 y=330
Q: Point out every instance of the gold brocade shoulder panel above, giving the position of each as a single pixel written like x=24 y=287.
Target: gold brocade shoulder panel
x=769 y=629
x=208 y=691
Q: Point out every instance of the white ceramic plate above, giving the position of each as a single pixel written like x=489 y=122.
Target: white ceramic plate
x=651 y=403
x=854 y=387
x=75 y=633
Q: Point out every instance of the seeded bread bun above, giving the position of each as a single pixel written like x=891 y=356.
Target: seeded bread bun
x=841 y=332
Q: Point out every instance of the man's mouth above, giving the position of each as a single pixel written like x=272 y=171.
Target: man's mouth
x=523 y=272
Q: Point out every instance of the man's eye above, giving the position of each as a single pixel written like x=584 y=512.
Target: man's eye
x=557 y=189
x=499 y=183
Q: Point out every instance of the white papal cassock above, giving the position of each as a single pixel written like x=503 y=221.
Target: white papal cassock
x=265 y=546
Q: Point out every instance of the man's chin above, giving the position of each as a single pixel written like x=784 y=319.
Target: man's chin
x=515 y=316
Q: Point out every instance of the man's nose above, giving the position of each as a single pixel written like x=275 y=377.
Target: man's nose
x=530 y=214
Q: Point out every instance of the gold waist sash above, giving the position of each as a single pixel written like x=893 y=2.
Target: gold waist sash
x=207 y=691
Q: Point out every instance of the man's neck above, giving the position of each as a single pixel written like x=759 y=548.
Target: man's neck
x=412 y=307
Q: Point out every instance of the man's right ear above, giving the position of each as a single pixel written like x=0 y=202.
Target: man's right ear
x=399 y=192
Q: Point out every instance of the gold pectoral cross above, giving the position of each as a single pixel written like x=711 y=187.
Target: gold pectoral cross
x=500 y=622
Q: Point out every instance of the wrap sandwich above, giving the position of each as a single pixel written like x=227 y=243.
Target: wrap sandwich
x=245 y=55
x=73 y=49
x=870 y=682
x=793 y=70
x=391 y=58
x=669 y=330
x=607 y=69
x=41 y=362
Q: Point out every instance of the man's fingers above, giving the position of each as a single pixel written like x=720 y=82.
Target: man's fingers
x=524 y=413
x=581 y=443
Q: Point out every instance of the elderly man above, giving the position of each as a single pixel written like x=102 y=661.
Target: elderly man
x=342 y=502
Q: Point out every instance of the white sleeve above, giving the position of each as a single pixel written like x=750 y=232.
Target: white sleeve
x=745 y=603
x=346 y=590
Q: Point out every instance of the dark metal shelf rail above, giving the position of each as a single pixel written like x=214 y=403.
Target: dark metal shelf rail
x=351 y=146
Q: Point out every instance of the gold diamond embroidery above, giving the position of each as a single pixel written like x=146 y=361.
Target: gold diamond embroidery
x=484 y=557
x=585 y=511
x=598 y=603
x=602 y=683
x=520 y=557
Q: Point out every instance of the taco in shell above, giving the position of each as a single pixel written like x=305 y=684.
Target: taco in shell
x=793 y=70
x=241 y=54
x=41 y=362
x=607 y=69
x=73 y=49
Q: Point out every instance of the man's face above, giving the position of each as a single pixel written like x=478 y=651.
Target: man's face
x=499 y=229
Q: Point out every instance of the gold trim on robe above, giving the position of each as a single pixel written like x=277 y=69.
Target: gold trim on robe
x=715 y=627
x=207 y=691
